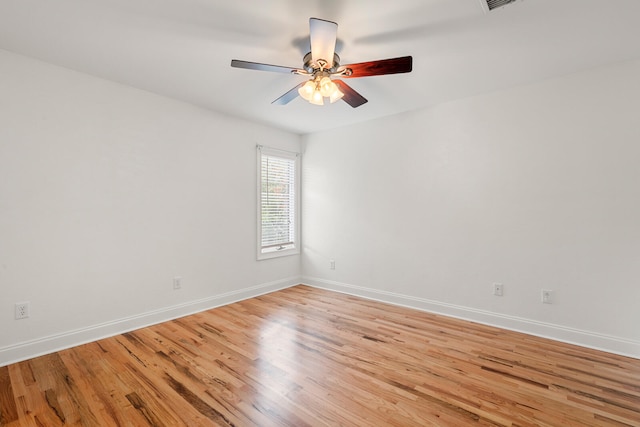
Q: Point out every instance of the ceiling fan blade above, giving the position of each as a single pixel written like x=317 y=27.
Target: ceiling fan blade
x=289 y=96
x=236 y=63
x=323 y=35
x=351 y=97
x=403 y=64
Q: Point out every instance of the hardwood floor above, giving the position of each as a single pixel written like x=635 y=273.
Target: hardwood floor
x=304 y=356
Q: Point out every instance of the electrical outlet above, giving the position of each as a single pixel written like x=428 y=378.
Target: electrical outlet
x=177 y=283
x=547 y=296
x=22 y=310
x=332 y=264
x=498 y=289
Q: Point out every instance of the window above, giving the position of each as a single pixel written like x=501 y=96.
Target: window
x=278 y=203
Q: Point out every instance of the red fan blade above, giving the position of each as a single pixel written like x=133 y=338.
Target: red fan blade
x=289 y=96
x=236 y=63
x=351 y=97
x=403 y=64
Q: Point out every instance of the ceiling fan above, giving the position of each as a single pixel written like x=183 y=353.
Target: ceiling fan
x=322 y=66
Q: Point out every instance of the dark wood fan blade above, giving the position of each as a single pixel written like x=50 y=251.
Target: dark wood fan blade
x=403 y=64
x=351 y=97
x=289 y=96
x=236 y=63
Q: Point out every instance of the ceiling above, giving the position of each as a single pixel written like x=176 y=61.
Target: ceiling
x=183 y=48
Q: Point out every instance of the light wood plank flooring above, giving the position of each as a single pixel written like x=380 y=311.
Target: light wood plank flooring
x=309 y=357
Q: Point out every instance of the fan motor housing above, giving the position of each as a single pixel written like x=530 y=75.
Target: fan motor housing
x=310 y=66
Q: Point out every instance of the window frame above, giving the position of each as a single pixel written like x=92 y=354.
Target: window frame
x=269 y=253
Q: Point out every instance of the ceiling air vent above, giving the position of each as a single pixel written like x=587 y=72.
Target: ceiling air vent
x=489 y=5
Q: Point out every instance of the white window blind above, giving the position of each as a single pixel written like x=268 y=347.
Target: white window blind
x=277 y=203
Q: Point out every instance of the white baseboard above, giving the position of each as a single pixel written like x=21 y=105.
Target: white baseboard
x=29 y=349
x=611 y=344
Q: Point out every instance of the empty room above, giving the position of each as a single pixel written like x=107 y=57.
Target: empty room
x=319 y=213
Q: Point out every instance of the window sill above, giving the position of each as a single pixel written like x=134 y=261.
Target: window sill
x=274 y=253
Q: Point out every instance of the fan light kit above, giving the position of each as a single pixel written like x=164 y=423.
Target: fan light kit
x=318 y=88
x=322 y=65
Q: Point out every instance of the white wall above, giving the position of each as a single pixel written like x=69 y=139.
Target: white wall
x=106 y=194
x=534 y=187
